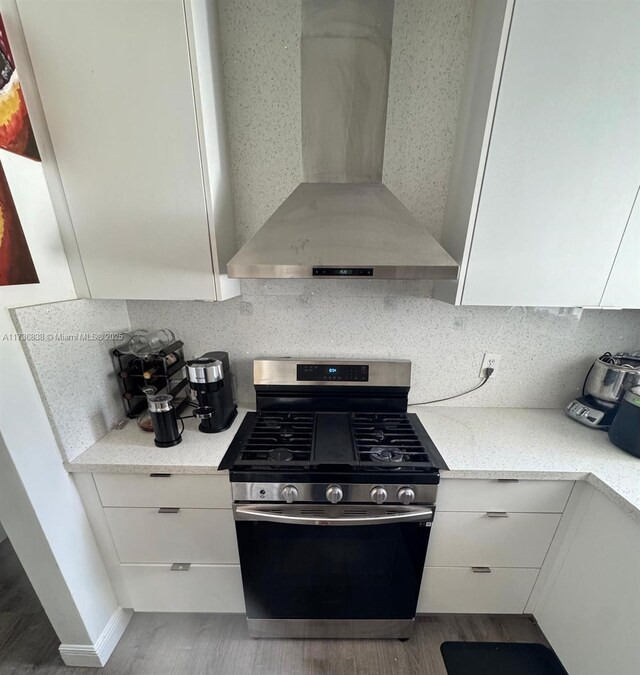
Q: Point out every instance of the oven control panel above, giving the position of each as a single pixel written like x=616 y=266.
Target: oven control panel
x=333 y=493
x=315 y=372
x=289 y=372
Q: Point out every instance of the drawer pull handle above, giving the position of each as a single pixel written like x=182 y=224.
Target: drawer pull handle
x=497 y=514
x=169 y=509
x=508 y=480
x=159 y=475
x=180 y=567
x=481 y=570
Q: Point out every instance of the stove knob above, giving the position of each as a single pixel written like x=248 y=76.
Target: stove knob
x=334 y=493
x=289 y=493
x=378 y=495
x=406 y=495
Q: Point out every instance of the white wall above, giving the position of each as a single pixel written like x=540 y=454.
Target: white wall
x=39 y=504
x=3 y=534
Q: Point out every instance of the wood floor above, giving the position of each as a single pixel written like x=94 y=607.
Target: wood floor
x=215 y=644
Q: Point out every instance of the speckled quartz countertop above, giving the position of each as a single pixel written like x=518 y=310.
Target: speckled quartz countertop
x=534 y=444
x=474 y=442
x=130 y=450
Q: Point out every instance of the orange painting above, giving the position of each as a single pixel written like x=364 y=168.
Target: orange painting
x=16 y=135
x=16 y=264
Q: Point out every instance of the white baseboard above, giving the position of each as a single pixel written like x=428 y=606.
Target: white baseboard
x=97 y=654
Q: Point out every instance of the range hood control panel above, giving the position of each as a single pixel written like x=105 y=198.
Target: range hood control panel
x=343 y=271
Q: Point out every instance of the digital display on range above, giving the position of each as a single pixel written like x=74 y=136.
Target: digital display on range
x=328 y=373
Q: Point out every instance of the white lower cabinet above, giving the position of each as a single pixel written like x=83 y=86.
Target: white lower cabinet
x=462 y=590
x=485 y=551
x=203 y=588
x=590 y=612
x=206 y=491
x=140 y=544
x=496 y=539
x=151 y=535
x=520 y=496
x=488 y=543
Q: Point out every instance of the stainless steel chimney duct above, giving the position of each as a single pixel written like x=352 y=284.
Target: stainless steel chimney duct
x=343 y=221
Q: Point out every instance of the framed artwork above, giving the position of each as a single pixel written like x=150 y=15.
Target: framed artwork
x=16 y=135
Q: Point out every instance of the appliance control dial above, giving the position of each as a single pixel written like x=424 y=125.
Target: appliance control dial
x=334 y=493
x=406 y=495
x=289 y=493
x=378 y=495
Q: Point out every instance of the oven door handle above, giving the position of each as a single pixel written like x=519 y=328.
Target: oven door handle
x=374 y=516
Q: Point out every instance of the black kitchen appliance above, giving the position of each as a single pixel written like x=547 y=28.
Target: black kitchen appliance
x=625 y=428
x=608 y=379
x=165 y=420
x=334 y=489
x=210 y=380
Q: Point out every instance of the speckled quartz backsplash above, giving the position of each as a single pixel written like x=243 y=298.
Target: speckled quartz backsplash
x=545 y=353
x=68 y=349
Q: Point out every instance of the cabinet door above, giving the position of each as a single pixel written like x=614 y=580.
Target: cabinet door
x=460 y=590
x=623 y=287
x=477 y=539
x=116 y=87
x=564 y=158
x=145 y=535
x=591 y=615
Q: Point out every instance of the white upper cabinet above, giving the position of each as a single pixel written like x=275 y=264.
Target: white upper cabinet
x=547 y=160
x=132 y=96
x=623 y=287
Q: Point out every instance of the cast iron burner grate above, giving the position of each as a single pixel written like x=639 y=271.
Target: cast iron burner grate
x=388 y=441
x=303 y=441
x=279 y=439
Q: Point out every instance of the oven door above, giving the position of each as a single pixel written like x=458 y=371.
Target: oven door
x=332 y=562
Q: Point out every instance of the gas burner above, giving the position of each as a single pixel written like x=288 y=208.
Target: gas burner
x=387 y=455
x=286 y=433
x=280 y=455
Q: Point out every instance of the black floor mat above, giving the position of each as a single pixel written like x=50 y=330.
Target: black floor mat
x=500 y=658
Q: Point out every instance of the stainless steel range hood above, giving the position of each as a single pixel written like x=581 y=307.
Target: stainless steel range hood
x=343 y=221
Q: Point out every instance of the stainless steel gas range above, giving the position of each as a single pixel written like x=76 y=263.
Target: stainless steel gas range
x=334 y=489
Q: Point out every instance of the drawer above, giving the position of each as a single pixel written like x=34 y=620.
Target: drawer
x=460 y=590
x=204 y=588
x=466 y=539
x=188 y=491
x=527 y=496
x=190 y=535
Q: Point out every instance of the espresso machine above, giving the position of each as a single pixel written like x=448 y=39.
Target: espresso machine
x=210 y=381
x=607 y=381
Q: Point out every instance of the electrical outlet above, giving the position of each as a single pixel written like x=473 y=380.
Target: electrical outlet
x=489 y=361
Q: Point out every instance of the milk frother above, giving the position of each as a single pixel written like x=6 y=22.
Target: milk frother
x=164 y=420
